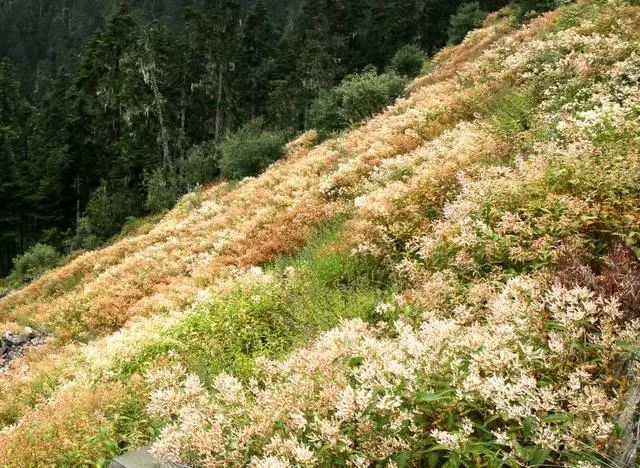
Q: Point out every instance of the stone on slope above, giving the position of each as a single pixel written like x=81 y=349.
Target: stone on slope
x=140 y=458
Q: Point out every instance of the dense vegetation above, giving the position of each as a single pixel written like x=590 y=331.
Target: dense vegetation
x=454 y=282
x=111 y=110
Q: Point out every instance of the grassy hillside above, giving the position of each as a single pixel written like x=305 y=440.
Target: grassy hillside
x=454 y=282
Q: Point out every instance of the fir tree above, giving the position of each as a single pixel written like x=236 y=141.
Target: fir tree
x=15 y=200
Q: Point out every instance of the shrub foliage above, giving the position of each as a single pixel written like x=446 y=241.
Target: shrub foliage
x=358 y=97
x=33 y=263
x=250 y=150
x=468 y=16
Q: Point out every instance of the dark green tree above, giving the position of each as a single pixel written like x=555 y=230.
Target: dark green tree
x=408 y=61
x=525 y=8
x=15 y=200
x=258 y=42
x=390 y=25
x=214 y=39
x=249 y=150
x=468 y=16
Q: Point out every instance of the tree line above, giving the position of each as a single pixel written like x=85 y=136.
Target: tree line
x=102 y=120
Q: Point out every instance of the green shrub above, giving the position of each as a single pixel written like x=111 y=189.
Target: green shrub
x=84 y=237
x=248 y=151
x=366 y=94
x=326 y=112
x=513 y=112
x=468 y=16
x=108 y=209
x=163 y=189
x=134 y=226
x=357 y=97
x=525 y=8
x=408 y=61
x=165 y=186
x=199 y=166
x=192 y=200
x=31 y=264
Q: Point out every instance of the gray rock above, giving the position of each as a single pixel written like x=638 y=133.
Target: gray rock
x=37 y=341
x=15 y=340
x=140 y=458
x=14 y=345
x=10 y=339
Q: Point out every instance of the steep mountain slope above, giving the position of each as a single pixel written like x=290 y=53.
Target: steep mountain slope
x=455 y=281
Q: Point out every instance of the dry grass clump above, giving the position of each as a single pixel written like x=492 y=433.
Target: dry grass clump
x=617 y=276
x=62 y=432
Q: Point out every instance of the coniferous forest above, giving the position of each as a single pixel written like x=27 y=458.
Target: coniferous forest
x=110 y=110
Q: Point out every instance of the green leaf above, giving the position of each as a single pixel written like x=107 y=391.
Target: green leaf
x=355 y=361
x=528 y=426
x=534 y=455
x=433 y=460
x=557 y=417
x=402 y=459
x=635 y=352
x=429 y=397
x=554 y=325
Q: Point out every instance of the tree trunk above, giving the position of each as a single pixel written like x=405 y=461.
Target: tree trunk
x=219 y=105
x=306 y=115
x=183 y=118
x=149 y=75
x=166 y=159
x=77 y=199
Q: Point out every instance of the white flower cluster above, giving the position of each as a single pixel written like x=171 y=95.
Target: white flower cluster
x=489 y=365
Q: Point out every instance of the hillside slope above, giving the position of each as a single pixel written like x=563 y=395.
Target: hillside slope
x=455 y=281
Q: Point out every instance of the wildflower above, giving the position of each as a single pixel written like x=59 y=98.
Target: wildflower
x=298 y=420
x=360 y=461
x=346 y=405
x=502 y=437
x=269 y=462
x=388 y=402
x=382 y=308
x=229 y=389
x=360 y=201
x=192 y=386
x=447 y=439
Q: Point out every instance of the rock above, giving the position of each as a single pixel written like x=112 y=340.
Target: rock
x=37 y=341
x=15 y=340
x=13 y=346
x=140 y=458
x=4 y=292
